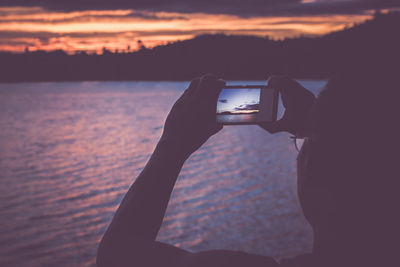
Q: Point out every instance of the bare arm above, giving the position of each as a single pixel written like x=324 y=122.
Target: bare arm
x=130 y=238
x=140 y=214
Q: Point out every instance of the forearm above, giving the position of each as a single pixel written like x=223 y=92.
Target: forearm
x=140 y=214
x=137 y=221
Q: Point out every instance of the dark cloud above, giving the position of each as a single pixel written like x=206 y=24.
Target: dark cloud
x=238 y=7
x=90 y=17
x=146 y=15
x=209 y=6
x=17 y=43
x=43 y=35
x=248 y=107
x=344 y=7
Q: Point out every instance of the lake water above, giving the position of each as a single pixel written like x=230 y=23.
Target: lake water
x=237 y=118
x=69 y=151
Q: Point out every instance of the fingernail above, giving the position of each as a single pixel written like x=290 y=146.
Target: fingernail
x=221 y=82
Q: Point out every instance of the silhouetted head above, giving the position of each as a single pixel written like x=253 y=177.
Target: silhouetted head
x=348 y=170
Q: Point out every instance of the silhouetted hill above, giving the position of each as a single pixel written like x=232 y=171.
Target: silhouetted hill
x=231 y=57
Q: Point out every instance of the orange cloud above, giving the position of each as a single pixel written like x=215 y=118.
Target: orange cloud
x=37 y=28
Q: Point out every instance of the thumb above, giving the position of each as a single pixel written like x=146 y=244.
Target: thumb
x=275 y=126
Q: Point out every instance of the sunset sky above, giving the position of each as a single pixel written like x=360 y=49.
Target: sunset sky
x=90 y=25
x=238 y=100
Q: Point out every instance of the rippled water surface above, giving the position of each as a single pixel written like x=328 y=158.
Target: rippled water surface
x=69 y=151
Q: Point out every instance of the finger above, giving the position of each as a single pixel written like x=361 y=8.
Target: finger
x=294 y=93
x=205 y=97
x=215 y=93
x=209 y=86
x=187 y=94
x=283 y=81
x=274 y=127
x=273 y=81
x=192 y=87
x=291 y=91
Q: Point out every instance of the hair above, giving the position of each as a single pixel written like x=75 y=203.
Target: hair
x=355 y=125
x=355 y=120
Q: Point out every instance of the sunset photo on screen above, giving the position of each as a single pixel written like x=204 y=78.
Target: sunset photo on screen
x=238 y=105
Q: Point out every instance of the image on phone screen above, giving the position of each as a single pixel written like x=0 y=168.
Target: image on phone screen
x=238 y=105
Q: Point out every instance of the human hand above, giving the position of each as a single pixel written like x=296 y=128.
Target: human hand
x=191 y=120
x=297 y=101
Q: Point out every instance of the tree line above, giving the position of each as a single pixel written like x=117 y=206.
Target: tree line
x=232 y=57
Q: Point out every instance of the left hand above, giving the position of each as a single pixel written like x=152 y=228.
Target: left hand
x=297 y=101
x=191 y=120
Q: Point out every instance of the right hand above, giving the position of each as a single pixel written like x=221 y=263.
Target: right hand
x=191 y=120
x=297 y=101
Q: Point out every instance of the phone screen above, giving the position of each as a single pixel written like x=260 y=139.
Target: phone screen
x=244 y=105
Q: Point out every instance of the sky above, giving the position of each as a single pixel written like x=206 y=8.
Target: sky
x=238 y=100
x=124 y=25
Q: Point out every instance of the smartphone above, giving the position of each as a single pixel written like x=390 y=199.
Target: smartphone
x=247 y=104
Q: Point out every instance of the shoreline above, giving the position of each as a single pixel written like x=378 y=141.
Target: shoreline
x=152 y=80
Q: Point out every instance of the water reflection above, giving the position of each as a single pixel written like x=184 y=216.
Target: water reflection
x=237 y=118
x=69 y=151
